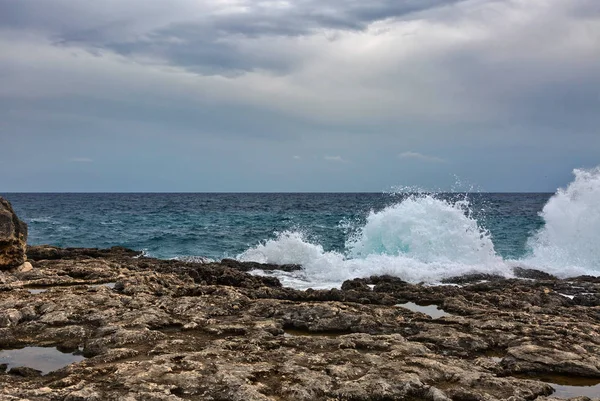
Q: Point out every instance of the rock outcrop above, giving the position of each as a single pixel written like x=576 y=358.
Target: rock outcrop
x=13 y=237
x=170 y=330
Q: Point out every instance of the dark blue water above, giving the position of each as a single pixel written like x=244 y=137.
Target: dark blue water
x=225 y=225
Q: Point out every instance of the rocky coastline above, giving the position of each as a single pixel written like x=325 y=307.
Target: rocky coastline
x=139 y=328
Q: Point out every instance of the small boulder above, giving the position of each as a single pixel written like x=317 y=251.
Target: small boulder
x=13 y=237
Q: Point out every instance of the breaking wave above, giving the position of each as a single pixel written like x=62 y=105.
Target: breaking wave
x=424 y=238
x=569 y=242
x=421 y=238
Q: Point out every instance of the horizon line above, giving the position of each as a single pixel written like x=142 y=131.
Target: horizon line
x=268 y=192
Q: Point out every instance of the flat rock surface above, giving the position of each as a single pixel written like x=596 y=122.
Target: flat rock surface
x=170 y=330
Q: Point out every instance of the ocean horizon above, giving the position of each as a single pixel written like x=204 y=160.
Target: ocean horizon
x=416 y=235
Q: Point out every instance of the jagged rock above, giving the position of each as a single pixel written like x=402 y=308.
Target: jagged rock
x=173 y=330
x=13 y=237
x=472 y=278
x=532 y=274
x=356 y=284
x=85 y=394
x=248 y=266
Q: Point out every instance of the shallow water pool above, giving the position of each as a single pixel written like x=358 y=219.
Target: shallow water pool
x=44 y=359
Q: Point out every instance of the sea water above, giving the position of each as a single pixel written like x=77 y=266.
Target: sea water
x=417 y=236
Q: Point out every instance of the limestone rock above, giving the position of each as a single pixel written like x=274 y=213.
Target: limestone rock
x=176 y=330
x=13 y=237
x=25 y=267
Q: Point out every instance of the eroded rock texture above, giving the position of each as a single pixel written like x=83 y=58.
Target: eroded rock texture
x=169 y=330
x=13 y=237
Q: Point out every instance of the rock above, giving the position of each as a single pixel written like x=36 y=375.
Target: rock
x=85 y=394
x=173 y=330
x=25 y=267
x=532 y=274
x=13 y=237
x=356 y=284
x=472 y=278
x=47 y=252
x=248 y=266
x=10 y=317
x=24 y=371
x=532 y=358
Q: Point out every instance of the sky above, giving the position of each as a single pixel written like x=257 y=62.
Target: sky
x=304 y=95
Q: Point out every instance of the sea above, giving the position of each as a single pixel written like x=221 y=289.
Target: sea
x=418 y=236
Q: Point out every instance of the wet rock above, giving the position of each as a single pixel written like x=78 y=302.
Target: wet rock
x=13 y=237
x=532 y=274
x=24 y=371
x=356 y=284
x=587 y=299
x=248 y=266
x=472 y=278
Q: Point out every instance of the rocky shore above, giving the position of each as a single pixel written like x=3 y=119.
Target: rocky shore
x=149 y=329
x=110 y=324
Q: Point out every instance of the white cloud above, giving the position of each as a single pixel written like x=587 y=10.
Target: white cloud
x=420 y=156
x=336 y=159
x=296 y=157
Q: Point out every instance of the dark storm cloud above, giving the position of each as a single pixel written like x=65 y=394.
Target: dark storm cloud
x=203 y=42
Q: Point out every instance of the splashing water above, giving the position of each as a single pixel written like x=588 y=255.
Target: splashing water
x=422 y=238
x=427 y=229
x=417 y=237
x=569 y=242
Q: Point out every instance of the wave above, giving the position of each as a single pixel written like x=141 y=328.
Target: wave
x=41 y=220
x=424 y=238
x=569 y=242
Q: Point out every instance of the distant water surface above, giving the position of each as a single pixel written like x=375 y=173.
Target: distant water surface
x=340 y=235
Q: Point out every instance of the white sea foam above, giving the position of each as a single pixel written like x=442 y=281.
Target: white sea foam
x=421 y=238
x=41 y=220
x=194 y=259
x=424 y=238
x=569 y=242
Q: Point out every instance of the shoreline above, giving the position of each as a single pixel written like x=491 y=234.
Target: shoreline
x=172 y=330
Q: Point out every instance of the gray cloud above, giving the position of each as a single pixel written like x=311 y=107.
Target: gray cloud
x=202 y=37
x=514 y=80
x=420 y=156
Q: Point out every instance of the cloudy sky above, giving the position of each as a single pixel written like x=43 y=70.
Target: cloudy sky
x=299 y=95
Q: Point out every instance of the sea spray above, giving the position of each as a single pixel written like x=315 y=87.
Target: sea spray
x=426 y=229
x=421 y=238
x=569 y=242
